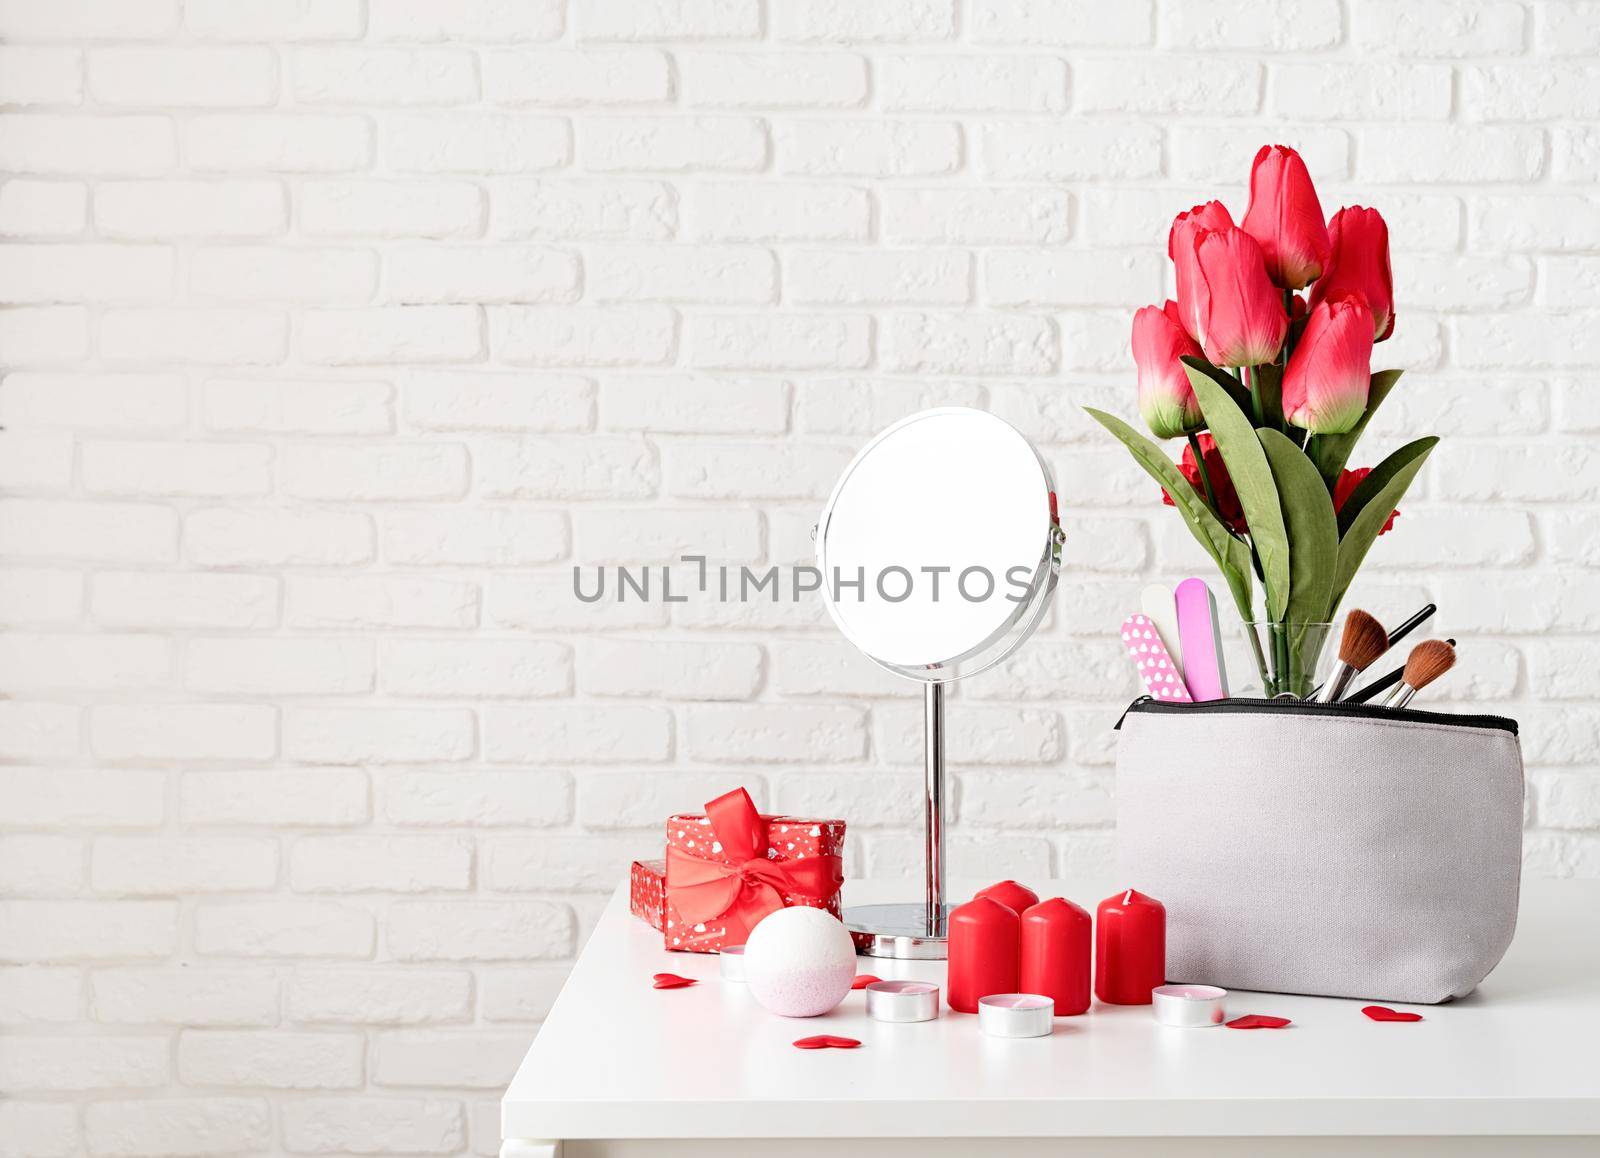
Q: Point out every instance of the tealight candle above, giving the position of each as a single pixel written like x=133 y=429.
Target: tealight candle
x=902 y=1001
x=1188 y=1006
x=1016 y=1015
x=732 y=963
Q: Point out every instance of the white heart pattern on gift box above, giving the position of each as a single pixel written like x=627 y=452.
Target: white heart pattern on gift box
x=1149 y=655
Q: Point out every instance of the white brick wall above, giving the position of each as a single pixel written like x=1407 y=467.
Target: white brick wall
x=336 y=331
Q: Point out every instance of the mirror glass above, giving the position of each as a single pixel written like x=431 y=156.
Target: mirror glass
x=940 y=544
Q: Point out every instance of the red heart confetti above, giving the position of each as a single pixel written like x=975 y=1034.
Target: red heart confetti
x=863 y=980
x=1258 y=1021
x=826 y=1041
x=671 y=981
x=1384 y=1013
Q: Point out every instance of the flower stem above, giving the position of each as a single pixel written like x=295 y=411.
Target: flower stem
x=1288 y=350
x=1299 y=436
x=1288 y=335
x=1247 y=377
x=1205 y=475
x=1263 y=669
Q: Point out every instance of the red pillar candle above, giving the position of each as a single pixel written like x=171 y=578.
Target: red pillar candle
x=983 y=953
x=1055 y=954
x=1013 y=896
x=1130 y=955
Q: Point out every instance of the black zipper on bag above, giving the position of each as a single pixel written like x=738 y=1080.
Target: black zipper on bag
x=1259 y=707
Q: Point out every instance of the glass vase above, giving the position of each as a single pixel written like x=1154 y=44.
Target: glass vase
x=1291 y=658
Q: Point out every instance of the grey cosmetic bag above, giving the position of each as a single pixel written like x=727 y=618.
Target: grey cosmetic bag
x=1339 y=850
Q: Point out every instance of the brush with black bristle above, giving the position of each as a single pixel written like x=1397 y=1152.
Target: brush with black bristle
x=1427 y=662
x=1363 y=641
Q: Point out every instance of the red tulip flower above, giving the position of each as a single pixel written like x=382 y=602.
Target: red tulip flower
x=1342 y=490
x=1228 y=508
x=1325 y=385
x=1180 y=248
x=1166 y=399
x=1240 y=311
x=1360 y=265
x=1285 y=218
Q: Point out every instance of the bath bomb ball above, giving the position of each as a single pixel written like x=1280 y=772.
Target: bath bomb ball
x=799 y=962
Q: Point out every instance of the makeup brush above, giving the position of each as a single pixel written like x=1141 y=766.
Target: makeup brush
x=1363 y=641
x=1380 y=685
x=1410 y=625
x=1395 y=636
x=1429 y=660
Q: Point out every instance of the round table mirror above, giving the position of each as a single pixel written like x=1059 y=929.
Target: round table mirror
x=938 y=550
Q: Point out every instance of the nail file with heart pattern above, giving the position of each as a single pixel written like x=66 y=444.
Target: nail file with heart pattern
x=1149 y=655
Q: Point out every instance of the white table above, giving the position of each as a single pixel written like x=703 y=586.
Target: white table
x=623 y=1069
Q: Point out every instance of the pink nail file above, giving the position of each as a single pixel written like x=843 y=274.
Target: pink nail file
x=1203 y=667
x=1149 y=655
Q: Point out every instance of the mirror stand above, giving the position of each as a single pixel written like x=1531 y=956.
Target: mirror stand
x=949 y=491
x=908 y=930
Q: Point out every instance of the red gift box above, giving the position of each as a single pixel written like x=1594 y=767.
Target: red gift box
x=730 y=866
x=647 y=892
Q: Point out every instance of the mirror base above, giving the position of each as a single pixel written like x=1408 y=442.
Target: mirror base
x=898 y=931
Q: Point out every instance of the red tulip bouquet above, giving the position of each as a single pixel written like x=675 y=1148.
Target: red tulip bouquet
x=1281 y=382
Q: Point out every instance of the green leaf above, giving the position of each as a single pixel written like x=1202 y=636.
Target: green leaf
x=1370 y=486
x=1313 y=529
x=1332 y=451
x=1230 y=555
x=1235 y=389
x=1235 y=568
x=1362 y=531
x=1252 y=478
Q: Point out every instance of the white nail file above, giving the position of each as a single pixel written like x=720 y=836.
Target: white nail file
x=1160 y=609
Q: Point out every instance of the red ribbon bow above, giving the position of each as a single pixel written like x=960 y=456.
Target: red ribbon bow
x=740 y=884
